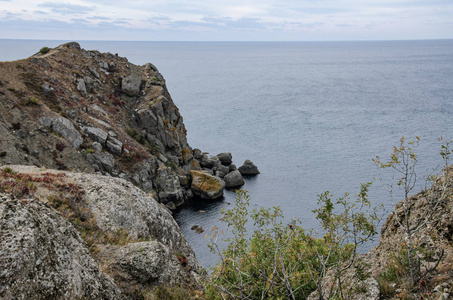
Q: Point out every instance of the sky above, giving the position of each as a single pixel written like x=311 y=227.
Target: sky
x=226 y=20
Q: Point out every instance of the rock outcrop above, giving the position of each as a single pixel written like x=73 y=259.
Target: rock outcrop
x=42 y=256
x=72 y=109
x=74 y=235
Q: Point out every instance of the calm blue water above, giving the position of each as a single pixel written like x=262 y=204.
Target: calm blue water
x=311 y=115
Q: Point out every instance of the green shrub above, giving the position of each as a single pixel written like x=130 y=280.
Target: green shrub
x=89 y=150
x=153 y=148
x=44 y=50
x=136 y=135
x=32 y=101
x=282 y=261
x=8 y=170
x=171 y=164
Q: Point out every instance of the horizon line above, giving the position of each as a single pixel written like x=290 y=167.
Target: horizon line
x=230 y=41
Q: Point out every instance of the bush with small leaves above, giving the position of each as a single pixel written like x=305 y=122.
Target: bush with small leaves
x=44 y=50
x=283 y=261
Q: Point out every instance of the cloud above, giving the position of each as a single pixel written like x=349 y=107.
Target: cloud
x=66 y=8
x=98 y=18
x=9 y=15
x=232 y=19
x=79 y=20
x=343 y=25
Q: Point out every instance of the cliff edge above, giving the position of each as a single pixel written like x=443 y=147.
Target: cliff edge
x=67 y=108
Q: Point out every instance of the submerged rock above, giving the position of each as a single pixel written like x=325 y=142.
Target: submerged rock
x=197 y=229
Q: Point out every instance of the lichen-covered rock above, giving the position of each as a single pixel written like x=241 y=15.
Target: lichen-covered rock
x=149 y=263
x=148 y=249
x=119 y=205
x=206 y=186
x=169 y=187
x=248 y=168
x=42 y=256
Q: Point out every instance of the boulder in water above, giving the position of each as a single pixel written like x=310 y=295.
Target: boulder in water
x=248 y=168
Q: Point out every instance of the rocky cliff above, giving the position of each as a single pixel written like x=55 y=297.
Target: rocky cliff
x=95 y=155
x=71 y=109
x=70 y=235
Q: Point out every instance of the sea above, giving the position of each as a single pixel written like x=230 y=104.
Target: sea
x=310 y=115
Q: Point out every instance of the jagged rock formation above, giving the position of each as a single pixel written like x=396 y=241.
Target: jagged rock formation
x=91 y=233
x=72 y=109
x=70 y=235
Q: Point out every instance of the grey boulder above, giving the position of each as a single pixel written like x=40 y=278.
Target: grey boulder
x=234 y=179
x=130 y=85
x=96 y=134
x=225 y=158
x=220 y=170
x=65 y=128
x=149 y=263
x=81 y=87
x=114 y=146
x=248 y=168
x=103 y=161
x=209 y=162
